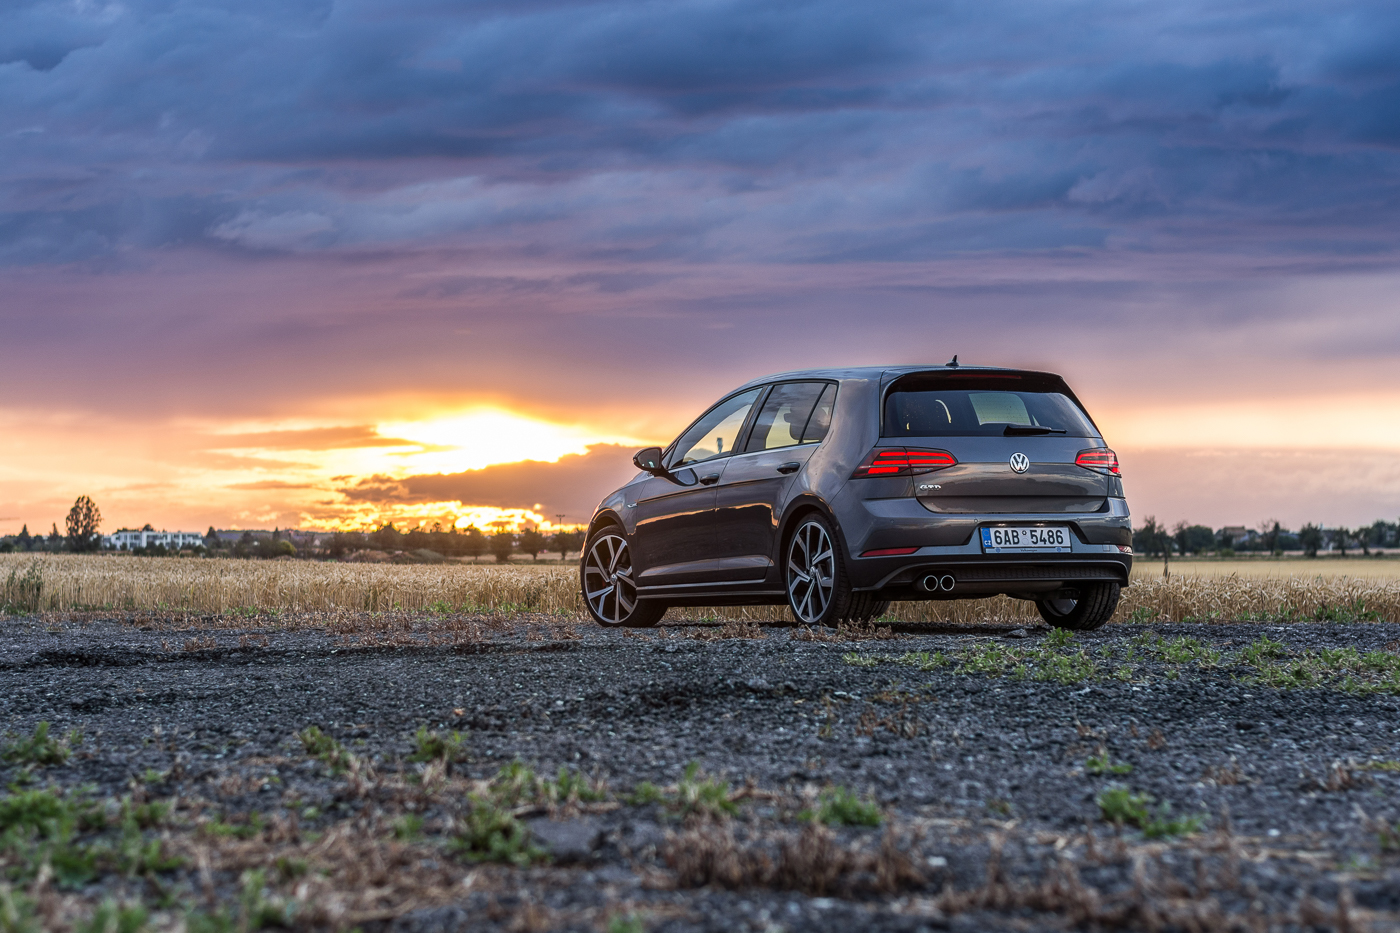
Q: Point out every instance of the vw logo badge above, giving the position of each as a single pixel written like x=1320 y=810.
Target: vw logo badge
x=1020 y=463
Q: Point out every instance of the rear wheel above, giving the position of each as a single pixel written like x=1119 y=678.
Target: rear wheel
x=609 y=590
x=819 y=592
x=1093 y=607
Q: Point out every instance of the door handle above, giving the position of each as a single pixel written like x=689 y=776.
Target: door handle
x=792 y=466
x=709 y=480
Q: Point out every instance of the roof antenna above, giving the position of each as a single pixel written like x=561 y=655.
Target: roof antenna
x=953 y=363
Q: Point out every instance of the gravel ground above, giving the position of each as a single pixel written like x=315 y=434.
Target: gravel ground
x=978 y=744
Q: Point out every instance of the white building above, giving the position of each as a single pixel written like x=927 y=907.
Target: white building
x=170 y=540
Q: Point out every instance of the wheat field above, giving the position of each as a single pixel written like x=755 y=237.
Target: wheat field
x=64 y=582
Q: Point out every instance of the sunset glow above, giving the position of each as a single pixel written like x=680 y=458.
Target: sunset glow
x=476 y=439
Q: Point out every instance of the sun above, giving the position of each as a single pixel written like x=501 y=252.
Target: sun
x=484 y=436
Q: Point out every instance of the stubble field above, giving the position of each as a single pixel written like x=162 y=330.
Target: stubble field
x=209 y=745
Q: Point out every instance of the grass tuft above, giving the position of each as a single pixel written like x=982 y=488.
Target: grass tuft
x=325 y=748
x=430 y=746
x=840 y=806
x=39 y=749
x=1121 y=806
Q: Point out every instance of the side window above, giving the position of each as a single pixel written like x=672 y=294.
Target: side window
x=820 y=422
x=715 y=433
x=785 y=416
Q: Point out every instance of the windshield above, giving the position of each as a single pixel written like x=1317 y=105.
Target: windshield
x=975 y=413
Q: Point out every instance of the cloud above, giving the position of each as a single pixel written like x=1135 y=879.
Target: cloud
x=312 y=126
x=341 y=438
x=572 y=486
x=267 y=485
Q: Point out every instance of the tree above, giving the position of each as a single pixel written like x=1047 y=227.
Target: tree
x=25 y=539
x=386 y=538
x=1340 y=536
x=1145 y=539
x=566 y=541
x=1194 y=539
x=502 y=544
x=55 y=540
x=1270 y=531
x=211 y=539
x=532 y=542
x=475 y=544
x=83 y=522
x=1311 y=539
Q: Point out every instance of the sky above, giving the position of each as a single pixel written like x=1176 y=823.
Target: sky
x=326 y=264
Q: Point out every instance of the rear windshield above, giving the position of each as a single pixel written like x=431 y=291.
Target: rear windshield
x=932 y=411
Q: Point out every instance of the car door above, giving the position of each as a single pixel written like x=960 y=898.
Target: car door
x=756 y=484
x=673 y=539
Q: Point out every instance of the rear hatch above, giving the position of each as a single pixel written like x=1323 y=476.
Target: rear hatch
x=1015 y=437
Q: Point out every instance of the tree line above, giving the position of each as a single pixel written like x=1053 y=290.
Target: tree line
x=84 y=523
x=1155 y=539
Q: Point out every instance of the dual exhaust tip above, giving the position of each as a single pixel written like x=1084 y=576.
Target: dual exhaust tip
x=933 y=583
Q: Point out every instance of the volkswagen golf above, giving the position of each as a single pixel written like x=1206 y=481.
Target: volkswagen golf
x=837 y=491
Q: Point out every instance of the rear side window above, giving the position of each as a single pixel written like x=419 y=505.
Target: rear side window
x=795 y=413
x=926 y=409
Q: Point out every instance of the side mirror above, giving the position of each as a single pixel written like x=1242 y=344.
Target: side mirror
x=649 y=460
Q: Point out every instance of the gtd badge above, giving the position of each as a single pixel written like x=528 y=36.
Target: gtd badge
x=1020 y=463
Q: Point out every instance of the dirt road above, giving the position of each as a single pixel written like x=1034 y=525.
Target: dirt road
x=697 y=777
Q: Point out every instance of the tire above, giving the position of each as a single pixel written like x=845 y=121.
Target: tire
x=1091 y=610
x=605 y=580
x=814 y=573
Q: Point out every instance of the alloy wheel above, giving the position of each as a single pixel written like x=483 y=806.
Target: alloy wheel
x=607 y=579
x=811 y=572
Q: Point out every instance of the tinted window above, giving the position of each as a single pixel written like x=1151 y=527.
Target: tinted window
x=820 y=422
x=715 y=433
x=785 y=415
x=971 y=412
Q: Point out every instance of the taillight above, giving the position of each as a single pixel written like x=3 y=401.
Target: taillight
x=1099 y=459
x=903 y=461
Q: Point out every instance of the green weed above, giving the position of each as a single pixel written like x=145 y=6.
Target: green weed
x=858 y=660
x=646 y=793
x=408 y=827
x=111 y=917
x=17 y=914
x=923 y=660
x=325 y=748
x=839 y=806
x=697 y=795
x=39 y=749
x=626 y=923
x=1120 y=805
x=430 y=746
x=570 y=787
x=490 y=833
x=1262 y=650
x=1103 y=764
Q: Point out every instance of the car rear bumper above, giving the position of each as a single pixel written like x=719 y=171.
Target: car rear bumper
x=950 y=545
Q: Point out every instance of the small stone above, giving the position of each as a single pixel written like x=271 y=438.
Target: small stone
x=568 y=840
x=1018 y=633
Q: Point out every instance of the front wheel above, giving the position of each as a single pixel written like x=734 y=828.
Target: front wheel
x=1094 y=606
x=609 y=590
x=819 y=592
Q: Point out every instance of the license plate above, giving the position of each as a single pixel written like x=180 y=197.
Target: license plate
x=1013 y=540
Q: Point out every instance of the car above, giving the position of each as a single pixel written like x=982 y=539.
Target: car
x=837 y=491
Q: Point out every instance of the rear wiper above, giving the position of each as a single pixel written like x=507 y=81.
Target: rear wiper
x=1013 y=429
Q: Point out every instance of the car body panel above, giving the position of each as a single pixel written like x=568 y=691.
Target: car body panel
x=723 y=544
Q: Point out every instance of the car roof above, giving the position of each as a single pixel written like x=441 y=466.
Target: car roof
x=881 y=373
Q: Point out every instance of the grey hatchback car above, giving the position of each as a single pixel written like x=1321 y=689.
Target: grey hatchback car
x=839 y=490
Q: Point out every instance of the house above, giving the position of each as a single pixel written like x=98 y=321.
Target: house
x=127 y=540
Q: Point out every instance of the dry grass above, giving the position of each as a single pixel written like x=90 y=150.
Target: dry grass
x=233 y=587
x=1369 y=568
